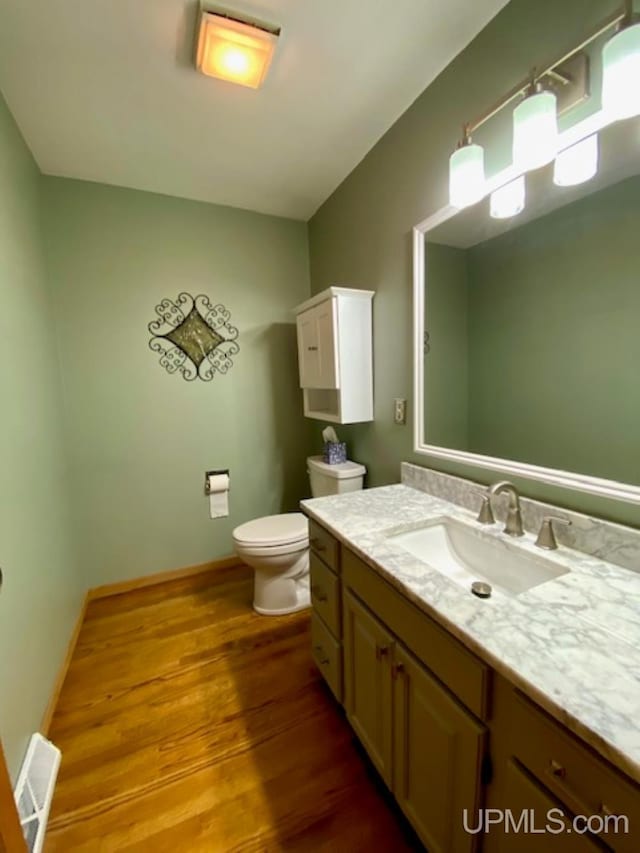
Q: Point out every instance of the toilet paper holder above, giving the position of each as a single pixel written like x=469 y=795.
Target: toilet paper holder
x=213 y=473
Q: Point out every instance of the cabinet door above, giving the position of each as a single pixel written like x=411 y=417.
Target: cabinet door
x=368 y=649
x=327 y=345
x=530 y=809
x=317 y=341
x=438 y=751
x=308 y=349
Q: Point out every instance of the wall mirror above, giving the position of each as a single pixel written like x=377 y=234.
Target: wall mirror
x=527 y=329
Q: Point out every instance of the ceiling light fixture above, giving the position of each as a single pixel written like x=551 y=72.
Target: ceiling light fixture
x=234 y=50
x=535 y=130
x=466 y=173
x=577 y=164
x=508 y=201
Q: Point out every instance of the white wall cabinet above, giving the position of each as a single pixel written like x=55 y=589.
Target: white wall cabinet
x=335 y=355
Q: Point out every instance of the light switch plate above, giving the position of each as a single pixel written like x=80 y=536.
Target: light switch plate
x=399 y=411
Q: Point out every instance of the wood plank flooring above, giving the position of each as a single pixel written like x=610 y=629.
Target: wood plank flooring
x=189 y=723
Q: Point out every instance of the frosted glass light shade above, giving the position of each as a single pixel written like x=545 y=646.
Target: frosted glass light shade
x=234 y=51
x=535 y=131
x=508 y=200
x=466 y=176
x=577 y=164
x=621 y=74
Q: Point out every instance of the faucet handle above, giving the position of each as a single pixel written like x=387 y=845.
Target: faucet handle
x=546 y=537
x=485 y=516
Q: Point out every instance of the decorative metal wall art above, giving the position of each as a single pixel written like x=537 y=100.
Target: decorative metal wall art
x=194 y=337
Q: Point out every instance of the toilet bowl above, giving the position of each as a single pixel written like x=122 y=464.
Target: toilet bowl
x=277 y=546
x=277 y=549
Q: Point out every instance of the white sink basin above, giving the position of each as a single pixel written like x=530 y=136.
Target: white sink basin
x=463 y=554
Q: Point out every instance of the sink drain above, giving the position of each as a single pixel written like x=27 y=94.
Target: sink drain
x=481 y=589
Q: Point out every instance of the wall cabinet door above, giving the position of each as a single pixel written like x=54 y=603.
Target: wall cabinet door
x=308 y=351
x=368 y=651
x=317 y=343
x=438 y=751
x=327 y=345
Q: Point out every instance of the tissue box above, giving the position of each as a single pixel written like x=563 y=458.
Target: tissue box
x=335 y=452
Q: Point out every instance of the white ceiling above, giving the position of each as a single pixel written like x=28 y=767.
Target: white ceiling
x=105 y=90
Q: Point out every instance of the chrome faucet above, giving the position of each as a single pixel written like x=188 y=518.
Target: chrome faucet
x=513 y=526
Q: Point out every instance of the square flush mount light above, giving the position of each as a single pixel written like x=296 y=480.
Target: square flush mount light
x=235 y=50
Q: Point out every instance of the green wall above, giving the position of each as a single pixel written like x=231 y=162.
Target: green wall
x=41 y=595
x=361 y=236
x=554 y=347
x=140 y=440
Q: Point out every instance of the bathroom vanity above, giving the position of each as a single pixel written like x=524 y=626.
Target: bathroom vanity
x=522 y=701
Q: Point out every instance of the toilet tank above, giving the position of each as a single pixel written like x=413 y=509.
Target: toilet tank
x=334 y=479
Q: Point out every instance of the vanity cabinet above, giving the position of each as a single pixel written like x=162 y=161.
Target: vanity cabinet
x=368 y=694
x=447 y=733
x=335 y=357
x=438 y=752
x=538 y=764
x=423 y=743
x=326 y=601
x=525 y=796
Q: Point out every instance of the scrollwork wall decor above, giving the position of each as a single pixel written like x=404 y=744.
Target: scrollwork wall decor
x=193 y=337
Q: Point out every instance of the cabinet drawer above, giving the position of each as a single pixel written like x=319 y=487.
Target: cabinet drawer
x=325 y=594
x=327 y=654
x=531 y=805
x=581 y=780
x=324 y=545
x=456 y=667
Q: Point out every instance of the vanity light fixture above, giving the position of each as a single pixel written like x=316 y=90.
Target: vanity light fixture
x=508 y=201
x=535 y=129
x=621 y=72
x=234 y=50
x=577 y=164
x=466 y=173
x=550 y=90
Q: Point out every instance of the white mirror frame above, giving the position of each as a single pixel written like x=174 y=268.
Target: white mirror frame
x=556 y=477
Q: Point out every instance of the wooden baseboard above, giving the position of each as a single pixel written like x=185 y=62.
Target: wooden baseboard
x=62 y=672
x=117 y=589
x=161 y=577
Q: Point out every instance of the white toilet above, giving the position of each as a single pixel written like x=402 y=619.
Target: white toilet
x=277 y=546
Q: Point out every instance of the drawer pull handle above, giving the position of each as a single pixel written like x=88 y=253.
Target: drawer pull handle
x=381 y=652
x=398 y=669
x=312 y=349
x=317 y=544
x=557 y=769
x=318 y=593
x=322 y=659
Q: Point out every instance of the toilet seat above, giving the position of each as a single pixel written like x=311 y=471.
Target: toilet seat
x=275 y=534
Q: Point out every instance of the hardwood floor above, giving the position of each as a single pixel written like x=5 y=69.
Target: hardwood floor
x=189 y=723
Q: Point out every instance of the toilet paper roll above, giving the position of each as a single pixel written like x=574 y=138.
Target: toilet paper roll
x=218 y=487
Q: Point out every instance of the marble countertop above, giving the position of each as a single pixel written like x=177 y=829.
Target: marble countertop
x=572 y=644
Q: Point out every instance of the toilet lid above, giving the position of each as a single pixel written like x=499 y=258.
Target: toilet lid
x=273 y=530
